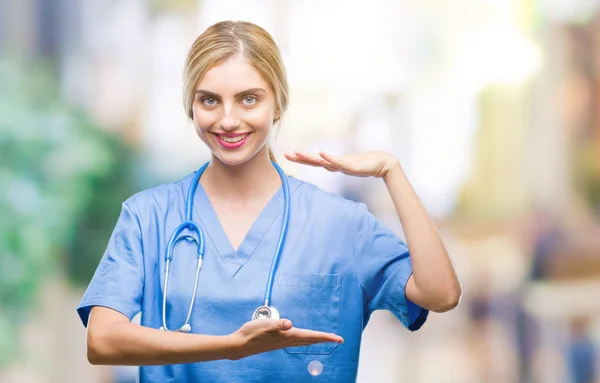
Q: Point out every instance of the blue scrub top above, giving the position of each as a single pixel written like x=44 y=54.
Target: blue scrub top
x=339 y=264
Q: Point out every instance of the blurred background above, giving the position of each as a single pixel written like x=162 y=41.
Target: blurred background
x=492 y=106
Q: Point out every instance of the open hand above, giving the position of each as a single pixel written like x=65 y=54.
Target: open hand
x=263 y=335
x=361 y=164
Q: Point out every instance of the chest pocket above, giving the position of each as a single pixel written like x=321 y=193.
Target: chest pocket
x=312 y=302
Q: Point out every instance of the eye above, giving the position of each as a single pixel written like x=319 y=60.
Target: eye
x=250 y=100
x=209 y=101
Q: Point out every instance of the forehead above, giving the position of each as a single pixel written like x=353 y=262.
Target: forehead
x=232 y=75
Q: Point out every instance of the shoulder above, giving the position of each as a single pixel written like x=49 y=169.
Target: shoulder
x=159 y=197
x=327 y=204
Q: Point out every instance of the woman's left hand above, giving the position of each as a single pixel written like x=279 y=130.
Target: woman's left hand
x=362 y=164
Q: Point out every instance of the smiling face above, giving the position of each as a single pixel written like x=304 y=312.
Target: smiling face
x=234 y=110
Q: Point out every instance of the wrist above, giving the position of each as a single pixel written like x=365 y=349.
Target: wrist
x=392 y=166
x=233 y=346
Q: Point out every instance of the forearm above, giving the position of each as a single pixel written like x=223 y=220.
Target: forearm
x=130 y=344
x=436 y=285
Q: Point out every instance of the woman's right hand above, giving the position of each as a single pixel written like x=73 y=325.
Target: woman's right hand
x=263 y=335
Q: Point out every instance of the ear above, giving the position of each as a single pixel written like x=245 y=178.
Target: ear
x=277 y=115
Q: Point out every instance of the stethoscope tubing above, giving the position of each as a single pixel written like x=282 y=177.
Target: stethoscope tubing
x=282 y=235
x=190 y=224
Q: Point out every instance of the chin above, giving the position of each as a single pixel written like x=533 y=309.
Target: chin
x=234 y=159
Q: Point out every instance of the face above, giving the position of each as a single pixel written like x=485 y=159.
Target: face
x=233 y=110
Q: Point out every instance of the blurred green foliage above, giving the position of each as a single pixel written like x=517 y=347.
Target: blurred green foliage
x=62 y=180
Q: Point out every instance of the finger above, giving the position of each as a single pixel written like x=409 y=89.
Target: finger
x=307 y=159
x=330 y=158
x=315 y=340
x=314 y=336
x=308 y=163
x=315 y=159
x=285 y=324
x=291 y=156
x=274 y=325
x=294 y=158
x=336 y=162
x=303 y=342
x=329 y=338
x=310 y=157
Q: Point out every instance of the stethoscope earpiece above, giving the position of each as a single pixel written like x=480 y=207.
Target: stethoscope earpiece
x=185 y=328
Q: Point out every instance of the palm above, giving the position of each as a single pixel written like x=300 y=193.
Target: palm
x=269 y=334
x=362 y=164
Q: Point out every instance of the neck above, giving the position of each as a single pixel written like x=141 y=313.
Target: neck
x=253 y=179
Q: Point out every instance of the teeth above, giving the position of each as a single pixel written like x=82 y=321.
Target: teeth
x=233 y=140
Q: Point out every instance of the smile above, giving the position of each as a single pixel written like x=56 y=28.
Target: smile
x=234 y=139
x=230 y=141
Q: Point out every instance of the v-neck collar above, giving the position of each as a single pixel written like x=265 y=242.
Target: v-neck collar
x=214 y=231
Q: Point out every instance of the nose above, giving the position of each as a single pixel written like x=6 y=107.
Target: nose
x=229 y=121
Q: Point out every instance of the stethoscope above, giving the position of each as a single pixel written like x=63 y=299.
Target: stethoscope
x=262 y=312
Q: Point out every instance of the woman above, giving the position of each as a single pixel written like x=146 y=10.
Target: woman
x=337 y=263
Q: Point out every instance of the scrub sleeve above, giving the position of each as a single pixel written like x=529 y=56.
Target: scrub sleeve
x=119 y=279
x=384 y=266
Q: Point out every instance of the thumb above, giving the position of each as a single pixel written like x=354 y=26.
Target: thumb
x=278 y=325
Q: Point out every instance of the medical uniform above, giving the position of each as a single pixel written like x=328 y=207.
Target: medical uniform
x=338 y=265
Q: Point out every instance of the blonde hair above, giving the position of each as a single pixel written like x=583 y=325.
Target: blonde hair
x=229 y=38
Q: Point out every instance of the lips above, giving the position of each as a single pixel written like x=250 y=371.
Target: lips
x=232 y=141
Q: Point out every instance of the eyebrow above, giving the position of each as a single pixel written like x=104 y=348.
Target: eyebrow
x=238 y=94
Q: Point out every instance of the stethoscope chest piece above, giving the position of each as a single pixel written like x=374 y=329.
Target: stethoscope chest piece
x=265 y=312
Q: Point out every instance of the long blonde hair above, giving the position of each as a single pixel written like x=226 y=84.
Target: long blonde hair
x=229 y=38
